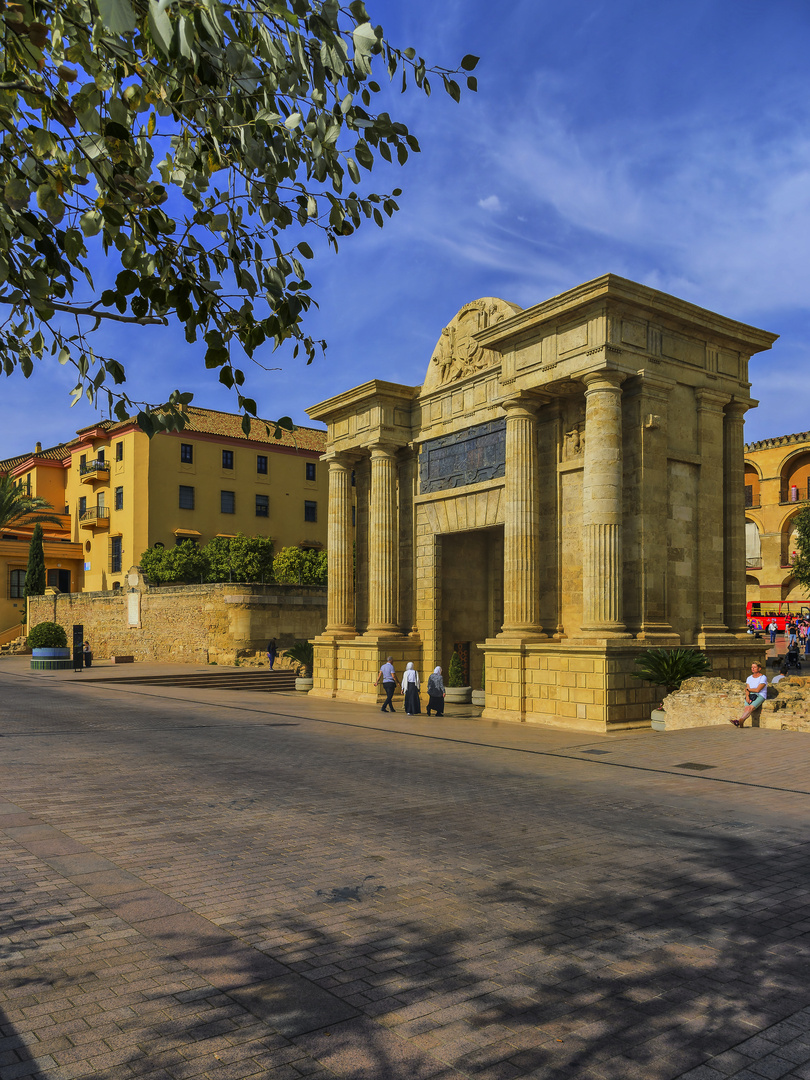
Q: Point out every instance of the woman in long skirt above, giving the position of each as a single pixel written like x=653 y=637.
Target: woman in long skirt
x=410 y=688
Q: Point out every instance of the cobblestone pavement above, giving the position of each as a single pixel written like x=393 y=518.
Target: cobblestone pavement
x=198 y=884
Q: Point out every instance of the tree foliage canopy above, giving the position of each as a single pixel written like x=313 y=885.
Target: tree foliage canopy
x=179 y=139
x=224 y=558
x=801 y=538
x=294 y=566
x=35 y=576
x=19 y=508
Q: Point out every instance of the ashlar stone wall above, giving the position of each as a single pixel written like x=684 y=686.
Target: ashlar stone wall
x=193 y=624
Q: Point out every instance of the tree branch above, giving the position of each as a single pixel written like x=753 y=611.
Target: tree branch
x=90 y=312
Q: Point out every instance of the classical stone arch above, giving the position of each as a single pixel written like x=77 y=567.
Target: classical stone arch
x=795 y=477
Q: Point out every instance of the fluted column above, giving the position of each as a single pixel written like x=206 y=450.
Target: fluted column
x=734 y=511
x=521 y=591
x=602 y=506
x=340 y=592
x=383 y=547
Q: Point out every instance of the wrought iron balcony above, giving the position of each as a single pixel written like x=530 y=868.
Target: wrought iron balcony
x=94 y=470
x=95 y=517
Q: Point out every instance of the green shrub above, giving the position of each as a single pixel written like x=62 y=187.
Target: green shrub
x=47 y=635
x=303 y=654
x=669 y=667
x=455 y=673
x=294 y=566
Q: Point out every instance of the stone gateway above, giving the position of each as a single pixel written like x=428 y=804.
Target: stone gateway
x=565 y=489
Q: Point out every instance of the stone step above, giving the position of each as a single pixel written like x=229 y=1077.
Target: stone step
x=249 y=680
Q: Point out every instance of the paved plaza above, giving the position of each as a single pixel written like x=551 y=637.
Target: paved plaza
x=201 y=883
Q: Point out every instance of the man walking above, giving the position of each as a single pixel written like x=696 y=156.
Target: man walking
x=388 y=677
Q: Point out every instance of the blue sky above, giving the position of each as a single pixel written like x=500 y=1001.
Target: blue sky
x=667 y=143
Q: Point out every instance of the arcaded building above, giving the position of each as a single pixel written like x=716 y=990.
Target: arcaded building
x=564 y=489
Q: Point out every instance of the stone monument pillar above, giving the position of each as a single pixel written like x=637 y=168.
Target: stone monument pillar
x=710 y=542
x=340 y=595
x=383 y=546
x=521 y=593
x=734 y=509
x=602 y=506
x=653 y=399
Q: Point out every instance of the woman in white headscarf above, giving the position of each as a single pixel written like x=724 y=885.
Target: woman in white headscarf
x=410 y=688
x=435 y=690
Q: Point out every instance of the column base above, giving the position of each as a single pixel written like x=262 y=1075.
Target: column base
x=377 y=635
x=338 y=632
x=526 y=634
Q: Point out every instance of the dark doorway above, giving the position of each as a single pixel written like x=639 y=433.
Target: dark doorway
x=471 y=600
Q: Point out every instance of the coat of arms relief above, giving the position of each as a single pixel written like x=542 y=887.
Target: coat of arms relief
x=457 y=354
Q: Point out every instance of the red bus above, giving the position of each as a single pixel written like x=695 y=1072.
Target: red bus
x=780 y=611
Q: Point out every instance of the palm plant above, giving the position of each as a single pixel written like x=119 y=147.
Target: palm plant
x=302 y=653
x=669 y=667
x=17 y=508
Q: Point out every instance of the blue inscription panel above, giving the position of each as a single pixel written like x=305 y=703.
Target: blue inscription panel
x=465 y=457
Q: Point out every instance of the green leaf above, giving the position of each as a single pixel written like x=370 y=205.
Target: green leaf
x=16 y=194
x=469 y=62
x=91 y=223
x=160 y=25
x=117 y=16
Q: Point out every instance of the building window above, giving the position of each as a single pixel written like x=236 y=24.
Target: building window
x=310 y=467
x=100 y=456
x=227 y=502
x=186 y=497
x=178 y=540
x=186 y=453
x=261 y=464
x=119 y=498
x=227 y=459
x=262 y=506
x=119 y=451
x=16 y=584
x=310 y=511
x=82 y=506
x=116 y=552
x=83 y=462
x=354 y=515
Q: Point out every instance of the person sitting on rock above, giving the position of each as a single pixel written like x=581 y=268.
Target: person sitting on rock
x=756 y=690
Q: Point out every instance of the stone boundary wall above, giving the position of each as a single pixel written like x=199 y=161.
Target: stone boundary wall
x=709 y=702
x=190 y=624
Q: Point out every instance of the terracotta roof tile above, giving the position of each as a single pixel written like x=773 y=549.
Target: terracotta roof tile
x=211 y=422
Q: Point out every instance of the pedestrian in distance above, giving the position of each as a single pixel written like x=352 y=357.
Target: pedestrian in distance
x=388 y=677
x=87 y=653
x=772 y=628
x=410 y=688
x=272 y=652
x=756 y=690
x=435 y=689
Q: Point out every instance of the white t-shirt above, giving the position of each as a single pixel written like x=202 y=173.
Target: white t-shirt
x=757 y=684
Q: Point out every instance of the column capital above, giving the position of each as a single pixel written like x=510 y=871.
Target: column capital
x=653 y=383
x=605 y=379
x=707 y=398
x=738 y=409
x=383 y=449
x=525 y=402
x=341 y=458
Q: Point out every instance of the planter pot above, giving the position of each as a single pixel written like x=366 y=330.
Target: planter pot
x=303 y=684
x=51 y=654
x=479 y=697
x=658 y=720
x=458 y=695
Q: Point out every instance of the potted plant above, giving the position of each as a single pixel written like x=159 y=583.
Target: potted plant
x=456 y=693
x=303 y=654
x=669 y=668
x=48 y=644
x=479 y=697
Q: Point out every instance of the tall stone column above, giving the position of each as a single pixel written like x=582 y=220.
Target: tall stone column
x=383 y=560
x=710 y=568
x=521 y=587
x=340 y=601
x=652 y=479
x=734 y=514
x=602 y=506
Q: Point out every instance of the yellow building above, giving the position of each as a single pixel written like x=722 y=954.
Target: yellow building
x=41 y=473
x=777 y=486
x=122 y=493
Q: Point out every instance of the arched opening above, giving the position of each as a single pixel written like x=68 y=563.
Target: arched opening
x=753 y=545
x=789 y=541
x=795 y=478
x=751 y=486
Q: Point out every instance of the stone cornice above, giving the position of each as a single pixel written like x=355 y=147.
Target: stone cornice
x=374 y=390
x=649 y=302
